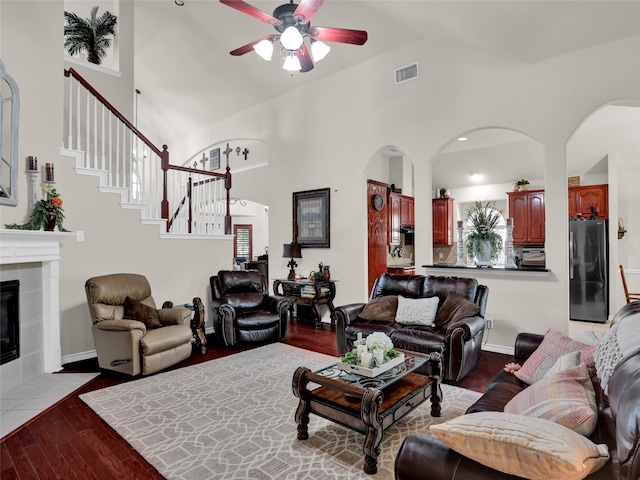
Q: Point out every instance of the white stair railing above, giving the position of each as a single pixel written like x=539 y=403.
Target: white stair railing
x=190 y=200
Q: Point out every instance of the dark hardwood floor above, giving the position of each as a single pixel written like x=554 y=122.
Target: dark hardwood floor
x=69 y=441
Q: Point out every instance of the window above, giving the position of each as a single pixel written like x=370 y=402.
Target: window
x=243 y=240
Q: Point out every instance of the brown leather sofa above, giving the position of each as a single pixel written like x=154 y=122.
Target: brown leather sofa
x=618 y=423
x=460 y=342
x=243 y=310
x=125 y=344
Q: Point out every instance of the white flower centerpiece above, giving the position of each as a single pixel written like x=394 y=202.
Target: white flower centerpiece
x=371 y=356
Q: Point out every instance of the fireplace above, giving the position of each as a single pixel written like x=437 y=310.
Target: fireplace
x=9 y=321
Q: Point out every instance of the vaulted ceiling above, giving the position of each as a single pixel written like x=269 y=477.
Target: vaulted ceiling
x=202 y=83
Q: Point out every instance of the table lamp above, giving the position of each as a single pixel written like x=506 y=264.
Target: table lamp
x=291 y=250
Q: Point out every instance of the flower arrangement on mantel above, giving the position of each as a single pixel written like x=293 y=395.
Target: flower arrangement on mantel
x=43 y=210
x=375 y=341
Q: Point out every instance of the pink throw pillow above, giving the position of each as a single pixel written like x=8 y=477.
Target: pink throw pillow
x=554 y=345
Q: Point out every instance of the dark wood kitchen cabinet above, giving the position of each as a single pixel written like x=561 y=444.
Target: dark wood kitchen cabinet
x=400 y=215
x=442 y=217
x=527 y=210
x=407 y=217
x=581 y=199
x=395 y=216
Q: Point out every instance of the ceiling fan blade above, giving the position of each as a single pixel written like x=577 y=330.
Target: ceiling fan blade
x=253 y=11
x=248 y=47
x=305 y=59
x=306 y=10
x=340 y=35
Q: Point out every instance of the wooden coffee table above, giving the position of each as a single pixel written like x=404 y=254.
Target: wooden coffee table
x=368 y=405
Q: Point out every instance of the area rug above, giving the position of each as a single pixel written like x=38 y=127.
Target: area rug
x=233 y=418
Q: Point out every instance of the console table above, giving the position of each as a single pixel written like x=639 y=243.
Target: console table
x=305 y=292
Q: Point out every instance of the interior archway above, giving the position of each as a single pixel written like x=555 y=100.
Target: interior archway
x=389 y=174
x=604 y=150
x=484 y=164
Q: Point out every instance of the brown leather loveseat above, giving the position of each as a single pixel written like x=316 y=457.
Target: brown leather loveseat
x=424 y=456
x=458 y=334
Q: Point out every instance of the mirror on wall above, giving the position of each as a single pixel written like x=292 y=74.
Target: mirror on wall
x=9 y=111
x=484 y=165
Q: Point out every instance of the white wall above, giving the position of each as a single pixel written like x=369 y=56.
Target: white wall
x=545 y=101
x=115 y=240
x=325 y=136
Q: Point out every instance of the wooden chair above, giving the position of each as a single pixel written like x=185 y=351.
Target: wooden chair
x=631 y=297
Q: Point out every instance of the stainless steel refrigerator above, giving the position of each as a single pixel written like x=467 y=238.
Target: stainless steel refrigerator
x=588 y=270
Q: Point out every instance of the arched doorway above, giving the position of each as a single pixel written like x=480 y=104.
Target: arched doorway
x=602 y=156
x=389 y=176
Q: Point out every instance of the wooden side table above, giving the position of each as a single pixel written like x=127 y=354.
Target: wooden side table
x=313 y=294
x=199 y=339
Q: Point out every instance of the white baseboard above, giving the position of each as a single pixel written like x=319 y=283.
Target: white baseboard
x=78 y=357
x=498 y=349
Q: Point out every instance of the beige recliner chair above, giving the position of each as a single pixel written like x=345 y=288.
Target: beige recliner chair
x=130 y=334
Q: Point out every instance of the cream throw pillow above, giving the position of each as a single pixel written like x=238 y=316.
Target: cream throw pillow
x=417 y=311
x=528 y=447
x=571 y=359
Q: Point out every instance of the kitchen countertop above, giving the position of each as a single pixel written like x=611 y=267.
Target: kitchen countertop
x=531 y=271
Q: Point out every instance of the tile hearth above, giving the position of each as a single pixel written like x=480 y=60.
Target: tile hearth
x=21 y=404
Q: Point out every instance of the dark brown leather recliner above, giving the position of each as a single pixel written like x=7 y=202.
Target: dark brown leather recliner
x=243 y=310
x=460 y=343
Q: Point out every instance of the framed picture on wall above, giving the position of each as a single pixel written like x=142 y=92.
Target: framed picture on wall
x=214 y=159
x=311 y=217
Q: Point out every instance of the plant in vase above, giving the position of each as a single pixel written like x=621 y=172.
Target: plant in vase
x=483 y=241
x=522 y=184
x=47 y=213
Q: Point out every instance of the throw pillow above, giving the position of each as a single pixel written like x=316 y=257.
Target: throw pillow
x=566 y=398
x=528 y=447
x=571 y=359
x=554 y=345
x=417 y=311
x=136 y=310
x=588 y=337
x=620 y=340
x=454 y=308
x=381 y=308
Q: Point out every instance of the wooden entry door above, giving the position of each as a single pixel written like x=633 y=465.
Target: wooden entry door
x=377 y=225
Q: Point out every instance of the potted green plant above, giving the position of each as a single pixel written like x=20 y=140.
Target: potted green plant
x=522 y=185
x=483 y=241
x=90 y=34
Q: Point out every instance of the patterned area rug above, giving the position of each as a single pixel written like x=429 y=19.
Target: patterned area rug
x=233 y=418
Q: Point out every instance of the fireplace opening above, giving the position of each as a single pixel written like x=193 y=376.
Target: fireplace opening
x=9 y=321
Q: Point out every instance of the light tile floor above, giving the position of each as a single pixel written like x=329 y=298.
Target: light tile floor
x=23 y=403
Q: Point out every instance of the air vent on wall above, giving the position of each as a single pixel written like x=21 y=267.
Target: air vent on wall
x=404 y=74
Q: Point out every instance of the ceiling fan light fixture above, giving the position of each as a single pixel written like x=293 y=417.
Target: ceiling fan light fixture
x=291 y=38
x=319 y=50
x=291 y=63
x=264 y=49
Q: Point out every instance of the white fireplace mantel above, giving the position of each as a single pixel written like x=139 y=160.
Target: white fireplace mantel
x=33 y=246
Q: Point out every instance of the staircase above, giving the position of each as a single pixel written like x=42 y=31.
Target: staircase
x=184 y=201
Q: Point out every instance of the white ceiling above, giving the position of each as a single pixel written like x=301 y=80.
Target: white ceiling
x=202 y=82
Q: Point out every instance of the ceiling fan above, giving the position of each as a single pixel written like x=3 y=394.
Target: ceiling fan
x=292 y=22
